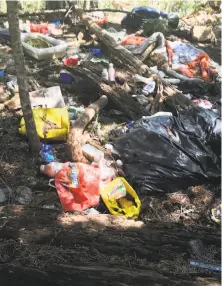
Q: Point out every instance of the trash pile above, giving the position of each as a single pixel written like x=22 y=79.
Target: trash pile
x=162 y=151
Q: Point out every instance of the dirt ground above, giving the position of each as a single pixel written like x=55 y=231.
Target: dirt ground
x=48 y=246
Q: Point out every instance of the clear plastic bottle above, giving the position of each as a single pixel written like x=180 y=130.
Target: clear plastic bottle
x=111 y=72
x=51 y=169
x=105 y=74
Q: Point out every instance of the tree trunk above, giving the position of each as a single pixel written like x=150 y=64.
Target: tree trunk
x=54 y=5
x=13 y=19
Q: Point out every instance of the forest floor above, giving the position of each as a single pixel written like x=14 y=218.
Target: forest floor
x=51 y=247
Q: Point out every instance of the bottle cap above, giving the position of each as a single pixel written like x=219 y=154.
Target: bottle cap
x=110 y=65
x=42 y=167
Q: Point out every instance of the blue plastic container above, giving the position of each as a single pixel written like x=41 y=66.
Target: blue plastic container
x=66 y=77
x=96 y=52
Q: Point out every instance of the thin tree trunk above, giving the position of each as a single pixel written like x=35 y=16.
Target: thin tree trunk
x=13 y=19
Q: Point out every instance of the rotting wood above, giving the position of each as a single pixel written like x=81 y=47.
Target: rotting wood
x=116 y=95
x=125 y=56
x=76 y=138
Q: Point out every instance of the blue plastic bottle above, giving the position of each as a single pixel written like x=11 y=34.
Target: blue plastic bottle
x=47 y=153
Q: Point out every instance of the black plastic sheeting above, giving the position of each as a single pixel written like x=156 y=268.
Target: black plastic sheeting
x=170 y=153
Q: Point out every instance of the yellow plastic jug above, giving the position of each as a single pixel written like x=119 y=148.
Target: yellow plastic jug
x=51 y=123
x=121 y=199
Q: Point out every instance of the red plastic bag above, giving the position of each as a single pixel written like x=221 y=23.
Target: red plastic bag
x=78 y=186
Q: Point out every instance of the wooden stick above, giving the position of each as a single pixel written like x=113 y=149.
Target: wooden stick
x=76 y=138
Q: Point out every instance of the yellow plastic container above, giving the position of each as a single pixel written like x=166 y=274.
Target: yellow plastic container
x=51 y=123
x=116 y=199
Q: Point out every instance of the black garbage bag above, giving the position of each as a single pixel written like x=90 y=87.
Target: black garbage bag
x=136 y=18
x=168 y=153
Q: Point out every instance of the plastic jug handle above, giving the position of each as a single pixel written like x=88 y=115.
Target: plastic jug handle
x=50 y=183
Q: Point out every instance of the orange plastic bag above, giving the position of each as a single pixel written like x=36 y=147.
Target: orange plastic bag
x=78 y=186
x=133 y=40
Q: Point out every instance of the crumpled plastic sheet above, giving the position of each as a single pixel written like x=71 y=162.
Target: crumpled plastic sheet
x=166 y=153
x=182 y=52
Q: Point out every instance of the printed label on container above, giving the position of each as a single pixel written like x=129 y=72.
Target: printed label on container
x=118 y=191
x=73 y=175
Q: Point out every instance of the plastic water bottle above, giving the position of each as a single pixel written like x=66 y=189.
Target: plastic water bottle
x=47 y=153
x=149 y=87
x=105 y=74
x=111 y=72
x=51 y=169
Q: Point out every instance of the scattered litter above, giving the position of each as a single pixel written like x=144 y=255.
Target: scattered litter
x=91 y=211
x=99 y=60
x=135 y=19
x=49 y=207
x=111 y=148
x=149 y=87
x=216 y=214
x=12 y=83
x=96 y=52
x=92 y=153
x=203 y=103
x=78 y=186
x=23 y=195
x=122 y=130
x=65 y=76
x=206 y=266
x=119 y=163
x=47 y=153
x=51 y=169
x=70 y=62
x=105 y=74
x=111 y=73
x=121 y=199
x=57 y=49
x=167 y=153
x=74 y=112
x=47 y=97
x=51 y=123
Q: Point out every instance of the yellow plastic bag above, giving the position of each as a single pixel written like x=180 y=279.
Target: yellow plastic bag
x=51 y=123
x=121 y=199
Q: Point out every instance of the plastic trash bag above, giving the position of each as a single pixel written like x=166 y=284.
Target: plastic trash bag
x=167 y=153
x=78 y=185
x=51 y=123
x=121 y=199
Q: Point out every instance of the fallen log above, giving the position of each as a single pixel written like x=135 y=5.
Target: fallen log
x=76 y=138
x=37 y=13
x=116 y=94
x=106 y=10
x=125 y=57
